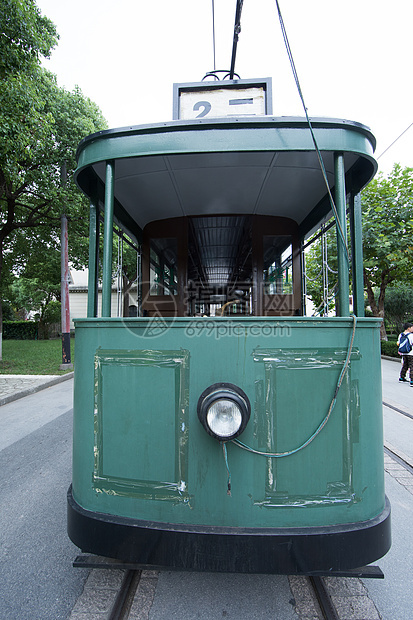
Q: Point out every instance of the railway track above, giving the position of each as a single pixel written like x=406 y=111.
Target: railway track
x=117 y=594
x=403 y=410
x=123 y=593
x=395 y=454
x=400 y=458
x=324 y=599
x=317 y=603
x=114 y=593
x=123 y=602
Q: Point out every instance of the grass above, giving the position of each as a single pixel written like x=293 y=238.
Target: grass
x=33 y=357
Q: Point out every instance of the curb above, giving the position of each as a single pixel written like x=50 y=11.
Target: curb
x=391 y=359
x=36 y=388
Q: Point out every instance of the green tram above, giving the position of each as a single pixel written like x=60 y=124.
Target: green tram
x=222 y=429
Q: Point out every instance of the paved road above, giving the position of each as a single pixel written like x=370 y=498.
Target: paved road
x=398 y=430
x=37 y=581
x=393 y=595
x=175 y=598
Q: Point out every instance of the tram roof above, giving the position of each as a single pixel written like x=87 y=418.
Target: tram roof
x=256 y=165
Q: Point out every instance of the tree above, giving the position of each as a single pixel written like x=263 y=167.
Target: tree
x=387 y=205
x=320 y=287
x=25 y=36
x=398 y=306
x=38 y=281
x=129 y=270
x=41 y=125
x=32 y=195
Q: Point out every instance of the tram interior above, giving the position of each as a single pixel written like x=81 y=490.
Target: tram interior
x=240 y=265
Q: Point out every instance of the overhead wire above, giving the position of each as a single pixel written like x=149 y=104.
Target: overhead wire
x=342 y=238
x=237 y=29
x=394 y=141
x=213 y=32
x=319 y=156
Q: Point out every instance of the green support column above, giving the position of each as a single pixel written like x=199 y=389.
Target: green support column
x=357 y=254
x=342 y=255
x=303 y=279
x=92 y=299
x=108 y=240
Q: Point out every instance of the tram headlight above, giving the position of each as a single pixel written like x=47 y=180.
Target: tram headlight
x=224 y=411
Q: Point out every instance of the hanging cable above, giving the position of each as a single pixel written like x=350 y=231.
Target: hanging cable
x=237 y=30
x=327 y=417
x=213 y=31
x=320 y=159
x=224 y=450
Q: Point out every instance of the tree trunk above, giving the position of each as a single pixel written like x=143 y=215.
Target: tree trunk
x=126 y=285
x=377 y=308
x=7 y=228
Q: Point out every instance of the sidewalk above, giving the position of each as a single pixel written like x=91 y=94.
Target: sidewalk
x=13 y=387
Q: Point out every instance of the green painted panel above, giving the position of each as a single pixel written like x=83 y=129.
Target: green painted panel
x=292 y=390
x=129 y=433
x=140 y=451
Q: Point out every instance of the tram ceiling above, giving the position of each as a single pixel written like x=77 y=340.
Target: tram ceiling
x=192 y=170
x=245 y=183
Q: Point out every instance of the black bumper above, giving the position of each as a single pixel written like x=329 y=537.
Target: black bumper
x=300 y=551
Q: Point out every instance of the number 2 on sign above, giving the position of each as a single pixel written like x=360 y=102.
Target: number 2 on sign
x=206 y=108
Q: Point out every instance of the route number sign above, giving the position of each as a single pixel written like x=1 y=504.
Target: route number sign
x=222 y=99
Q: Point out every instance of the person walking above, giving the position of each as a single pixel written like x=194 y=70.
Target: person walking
x=405 y=344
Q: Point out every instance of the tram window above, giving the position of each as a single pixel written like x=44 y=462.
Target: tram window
x=163 y=266
x=277 y=265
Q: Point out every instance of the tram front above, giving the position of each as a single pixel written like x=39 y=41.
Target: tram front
x=222 y=428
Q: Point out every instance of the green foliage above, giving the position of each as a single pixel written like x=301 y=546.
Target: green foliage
x=20 y=330
x=41 y=126
x=398 y=306
x=37 y=255
x=129 y=268
x=33 y=276
x=314 y=270
x=387 y=205
x=36 y=144
x=52 y=313
x=8 y=312
x=31 y=294
x=25 y=35
x=389 y=348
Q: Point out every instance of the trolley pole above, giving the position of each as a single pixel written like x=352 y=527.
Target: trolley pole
x=64 y=287
x=237 y=30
